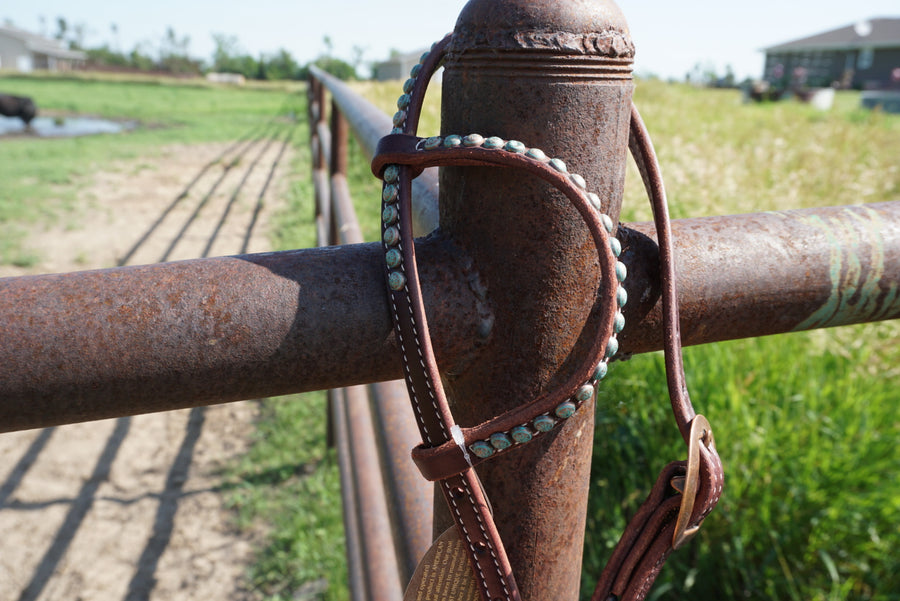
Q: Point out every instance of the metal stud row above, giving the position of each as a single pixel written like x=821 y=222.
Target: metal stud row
x=399 y=119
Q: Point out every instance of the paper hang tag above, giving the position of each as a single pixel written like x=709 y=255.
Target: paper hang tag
x=444 y=573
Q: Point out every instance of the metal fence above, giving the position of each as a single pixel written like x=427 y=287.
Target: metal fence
x=739 y=276
x=129 y=340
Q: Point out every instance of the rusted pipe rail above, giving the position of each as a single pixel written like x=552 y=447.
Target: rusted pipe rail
x=371 y=556
x=129 y=340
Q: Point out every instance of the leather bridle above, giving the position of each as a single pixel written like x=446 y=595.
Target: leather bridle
x=684 y=493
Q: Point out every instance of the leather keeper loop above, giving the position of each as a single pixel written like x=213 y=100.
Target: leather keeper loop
x=396 y=149
x=441 y=462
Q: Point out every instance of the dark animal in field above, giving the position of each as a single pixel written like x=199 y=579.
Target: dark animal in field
x=22 y=107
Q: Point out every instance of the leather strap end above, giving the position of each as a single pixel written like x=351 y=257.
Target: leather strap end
x=644 y=545
x=651 y=534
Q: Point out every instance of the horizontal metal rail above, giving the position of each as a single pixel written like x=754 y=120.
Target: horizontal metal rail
x=123 y=341
x=129 y=340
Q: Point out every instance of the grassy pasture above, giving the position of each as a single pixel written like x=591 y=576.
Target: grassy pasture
x=41 y=177
x=807 y=424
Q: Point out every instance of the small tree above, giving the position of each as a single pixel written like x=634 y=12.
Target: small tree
x=106 y=56
x=281 y=66
x=173 y=54
x=140 y=60
x=331 y=64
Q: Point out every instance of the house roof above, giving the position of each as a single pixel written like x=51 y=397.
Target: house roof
x=871 y=33
x=40 y=44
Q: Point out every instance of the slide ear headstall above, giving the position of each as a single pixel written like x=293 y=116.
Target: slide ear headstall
x=685 y=491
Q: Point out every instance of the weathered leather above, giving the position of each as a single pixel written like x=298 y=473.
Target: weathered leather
x=444 y=456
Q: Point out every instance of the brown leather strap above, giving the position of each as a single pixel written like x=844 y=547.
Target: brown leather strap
x=462 y=492
x=449 y=453
x=666 y=520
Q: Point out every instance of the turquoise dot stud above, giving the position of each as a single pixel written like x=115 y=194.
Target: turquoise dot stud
x=544 y=423
x=396 y=280
x=536 y=153
x=500 y=441
x=481 y=449
x=390 y=215
x=615 y=246
x=578 y=180
x=621 y=271
x=618 y=322
x=607 y=222
x=521 y=434
x=621 y=296
x=559 y=165
x=494 y=142
x=515 y=146
x=612 y=347
x=432 y=143
x=565 y=410
x=390 y=193
x=391 y=236
x=584 y=393
x=601 y=370
x=391 y=173
x=393 y=258
x=473 y=140
x=452 y=141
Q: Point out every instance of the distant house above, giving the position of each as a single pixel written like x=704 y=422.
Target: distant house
x=397 y=66
x=23 y=51
x=865 y=55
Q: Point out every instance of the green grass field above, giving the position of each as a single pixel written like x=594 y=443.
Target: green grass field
x=807 y=424
x=41 y=177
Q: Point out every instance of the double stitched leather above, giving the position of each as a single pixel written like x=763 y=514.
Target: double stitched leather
x=685 y=491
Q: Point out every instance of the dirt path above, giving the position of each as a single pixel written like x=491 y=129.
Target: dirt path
x=128 y=509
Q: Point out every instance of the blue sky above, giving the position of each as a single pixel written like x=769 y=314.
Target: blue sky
x=671 y=37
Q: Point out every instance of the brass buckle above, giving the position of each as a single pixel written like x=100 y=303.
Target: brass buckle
x=701 y=433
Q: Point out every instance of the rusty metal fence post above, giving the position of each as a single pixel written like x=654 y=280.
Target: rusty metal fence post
x=557 y=76
x=319 y=143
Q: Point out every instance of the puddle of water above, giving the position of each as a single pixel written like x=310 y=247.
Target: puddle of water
x=64 y=127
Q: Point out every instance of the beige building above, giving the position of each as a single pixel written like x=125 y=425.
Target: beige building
x=23 y=51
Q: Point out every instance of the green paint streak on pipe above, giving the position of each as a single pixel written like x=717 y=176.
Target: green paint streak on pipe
x=857 y=290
